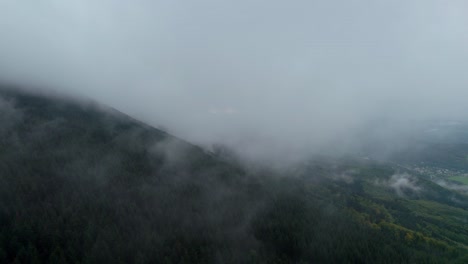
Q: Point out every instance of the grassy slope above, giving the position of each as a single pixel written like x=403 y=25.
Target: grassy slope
x=431 y=216
x=460 y=179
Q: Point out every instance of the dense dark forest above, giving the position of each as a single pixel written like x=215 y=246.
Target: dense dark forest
x=80 y=183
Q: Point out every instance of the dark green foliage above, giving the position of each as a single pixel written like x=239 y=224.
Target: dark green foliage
x=79 y=185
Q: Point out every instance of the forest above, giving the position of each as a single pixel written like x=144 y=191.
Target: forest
x=81 y=183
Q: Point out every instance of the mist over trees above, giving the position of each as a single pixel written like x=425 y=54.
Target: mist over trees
x=84 y=184
x=235 y=72
x=245 y=131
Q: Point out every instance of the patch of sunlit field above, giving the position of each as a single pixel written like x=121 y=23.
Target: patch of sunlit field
x=460 y=179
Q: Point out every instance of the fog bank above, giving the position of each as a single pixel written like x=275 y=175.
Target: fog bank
x=266 y=77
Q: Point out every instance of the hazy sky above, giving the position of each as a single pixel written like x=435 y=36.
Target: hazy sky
x=256 y=74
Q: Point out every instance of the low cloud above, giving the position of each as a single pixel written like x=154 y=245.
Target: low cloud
x=345 y=176
x=402 y=184
x=452 y=186
x=268 y=78
x=9 y=115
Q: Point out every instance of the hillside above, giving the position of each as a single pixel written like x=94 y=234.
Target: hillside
x=81 y=183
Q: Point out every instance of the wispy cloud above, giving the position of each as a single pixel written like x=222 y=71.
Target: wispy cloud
x=402 y=184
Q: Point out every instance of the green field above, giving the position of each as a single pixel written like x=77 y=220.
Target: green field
x=460 y=179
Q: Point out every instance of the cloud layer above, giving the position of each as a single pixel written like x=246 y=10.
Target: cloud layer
x=265 y=76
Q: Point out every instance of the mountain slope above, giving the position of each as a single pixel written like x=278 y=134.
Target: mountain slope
x=83 y=184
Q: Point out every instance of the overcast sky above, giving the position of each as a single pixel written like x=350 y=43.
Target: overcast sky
x=282 y=74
